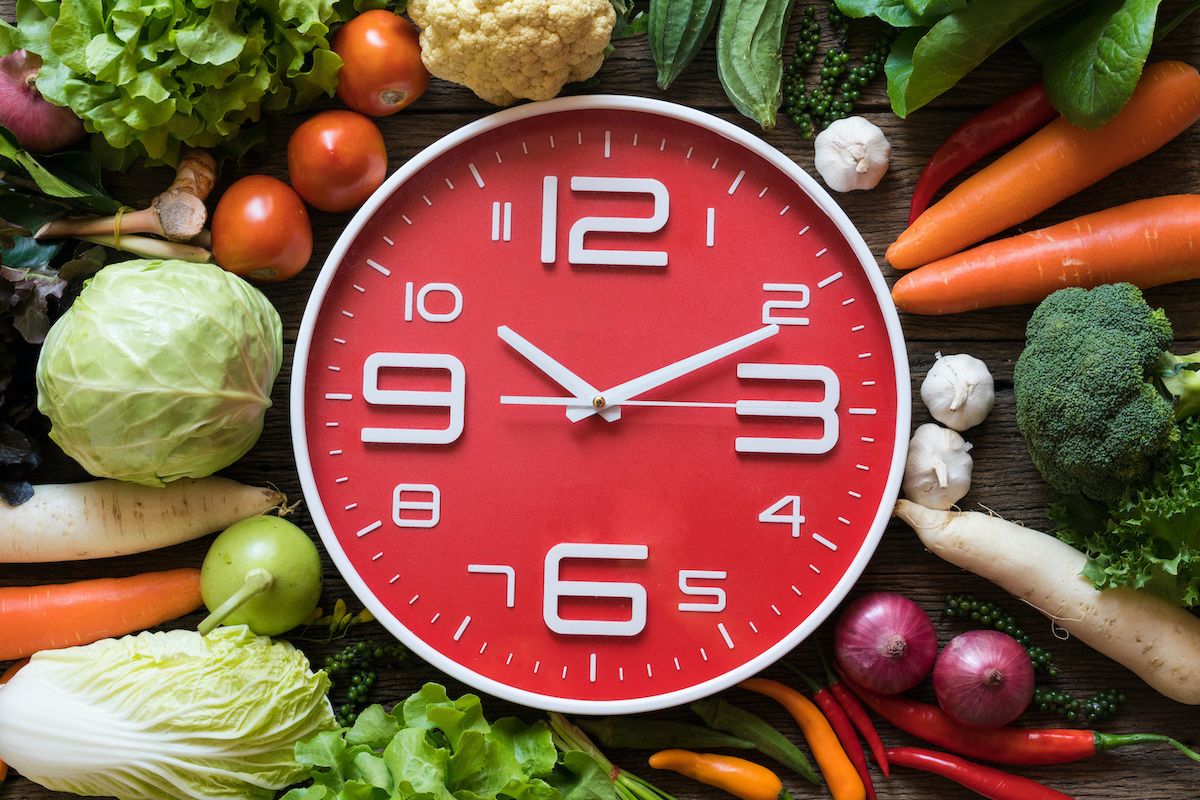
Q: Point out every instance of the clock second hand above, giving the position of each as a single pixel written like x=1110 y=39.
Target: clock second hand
x=759 y=408
x=575 y=402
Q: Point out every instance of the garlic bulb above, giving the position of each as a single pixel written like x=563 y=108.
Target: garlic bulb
x=938 y=471
x=958 y=391
x=852 y=154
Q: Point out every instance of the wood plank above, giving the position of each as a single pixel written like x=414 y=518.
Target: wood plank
x=1004 y=480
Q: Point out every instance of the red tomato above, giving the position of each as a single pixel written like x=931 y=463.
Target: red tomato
x=261 y=231
x=336 y=159
x=381 y=63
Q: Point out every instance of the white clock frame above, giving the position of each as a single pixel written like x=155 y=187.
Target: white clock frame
x=882 y=296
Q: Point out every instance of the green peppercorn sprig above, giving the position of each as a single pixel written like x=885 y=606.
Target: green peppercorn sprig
x=990 y=615
x=1088 y=711
x=355 y=667
x=839 y=84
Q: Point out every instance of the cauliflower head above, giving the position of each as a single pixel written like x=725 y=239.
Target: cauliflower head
x=505 y=50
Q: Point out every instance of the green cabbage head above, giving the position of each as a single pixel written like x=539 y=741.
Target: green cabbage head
x=164 y=716
x=160 y=370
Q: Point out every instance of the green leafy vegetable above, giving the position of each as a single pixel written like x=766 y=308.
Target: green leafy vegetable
x=149 y=76
x=1149 y=537
x=935 y=8
x=923 y=65
x=1097 y=58
x=433 y=747
x=897 y=13
x=164 y=716
x=630 y=23
x=162 y=370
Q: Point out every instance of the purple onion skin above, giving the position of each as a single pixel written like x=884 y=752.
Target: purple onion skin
x=885 y=642
x=983 y=679
x=40 y=127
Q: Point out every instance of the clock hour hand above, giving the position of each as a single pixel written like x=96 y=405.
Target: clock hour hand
x=652 y=380
x=574 y=384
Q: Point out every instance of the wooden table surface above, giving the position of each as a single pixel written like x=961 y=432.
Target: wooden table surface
x=1004 y=479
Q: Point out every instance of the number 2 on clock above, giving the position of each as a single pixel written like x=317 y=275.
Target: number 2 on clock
x=577 y=253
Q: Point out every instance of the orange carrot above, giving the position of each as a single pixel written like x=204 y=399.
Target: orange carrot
x=1147 y=243
x=1051 y=165
x=34 y=618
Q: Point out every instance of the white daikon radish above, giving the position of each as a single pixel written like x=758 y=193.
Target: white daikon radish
x=1158 y=641
x=99 y=519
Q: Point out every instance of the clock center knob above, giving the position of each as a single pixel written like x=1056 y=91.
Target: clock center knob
x=599 y=402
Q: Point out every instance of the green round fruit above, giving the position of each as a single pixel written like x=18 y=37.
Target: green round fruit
x=263 y=544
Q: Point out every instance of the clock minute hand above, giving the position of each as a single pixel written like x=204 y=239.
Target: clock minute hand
x=613 y=397
x=556 y=371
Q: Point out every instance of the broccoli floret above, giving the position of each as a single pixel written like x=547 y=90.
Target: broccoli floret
x=1097 y=392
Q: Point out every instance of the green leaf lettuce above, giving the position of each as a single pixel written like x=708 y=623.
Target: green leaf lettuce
x=1150 y=537
x=433 y=747
x=150 y=76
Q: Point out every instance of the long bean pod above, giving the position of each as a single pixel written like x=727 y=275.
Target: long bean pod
x=725 y=716
x=654 y=734
x=750 y=37
x=677 y=30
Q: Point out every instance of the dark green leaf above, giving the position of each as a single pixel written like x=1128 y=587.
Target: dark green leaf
x=922 y=70
x=630 y=22
x=1097 y=57
x=896 y=13
x=86 y=263
x=31 y=213
x=934 y=8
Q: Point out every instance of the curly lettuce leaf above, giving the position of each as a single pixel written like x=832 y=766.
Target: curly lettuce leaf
x=150 y=76
x=434 y=747
x=1150 y=538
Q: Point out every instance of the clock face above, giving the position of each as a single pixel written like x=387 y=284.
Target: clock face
x=600 y=404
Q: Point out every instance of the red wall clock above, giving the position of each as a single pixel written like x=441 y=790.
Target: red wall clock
x=600 y=404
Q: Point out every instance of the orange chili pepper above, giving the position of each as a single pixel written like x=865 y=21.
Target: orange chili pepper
x=840 y=774
x=739 y=777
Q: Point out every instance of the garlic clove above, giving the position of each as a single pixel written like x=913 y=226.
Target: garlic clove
x=851 y=154
x=959 y=391
x=938 y=471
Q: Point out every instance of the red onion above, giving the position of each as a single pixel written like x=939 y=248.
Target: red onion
x=885 y=642
x=983 y=678
x=40 y=127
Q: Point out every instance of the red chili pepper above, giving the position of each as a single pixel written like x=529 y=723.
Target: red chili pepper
x=1002 y=745
x=985 y=781
x=842 y=728
x=857 y=715
x=1010 y=119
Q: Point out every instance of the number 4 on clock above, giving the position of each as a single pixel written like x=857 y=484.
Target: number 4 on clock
x=793 y=516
